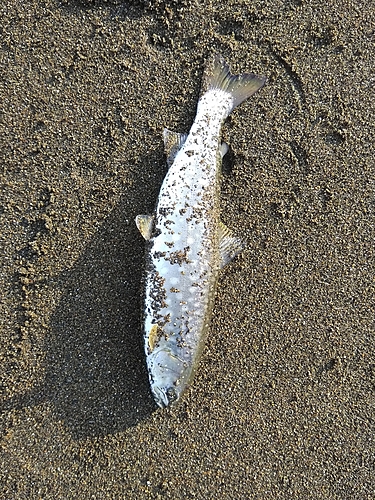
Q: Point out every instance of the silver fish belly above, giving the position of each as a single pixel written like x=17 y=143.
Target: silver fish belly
x=187 y=243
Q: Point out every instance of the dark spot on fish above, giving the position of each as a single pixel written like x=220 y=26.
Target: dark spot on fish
x=158 y=293
x=179 y=257
x=156 y=233
x=158 y=255
x=165 y=211
x=181 y=342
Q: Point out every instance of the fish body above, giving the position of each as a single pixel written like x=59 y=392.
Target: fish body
x=187 y=243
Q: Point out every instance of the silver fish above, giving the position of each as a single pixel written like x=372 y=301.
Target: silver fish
x=187 y=242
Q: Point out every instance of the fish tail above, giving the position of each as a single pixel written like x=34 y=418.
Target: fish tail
x=217 y=75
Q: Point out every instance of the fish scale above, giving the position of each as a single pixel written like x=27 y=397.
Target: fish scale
x=186 y=242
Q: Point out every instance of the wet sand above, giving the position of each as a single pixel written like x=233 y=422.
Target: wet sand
x=282 y=406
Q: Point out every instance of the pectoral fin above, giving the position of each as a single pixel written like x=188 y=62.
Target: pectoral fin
x=223 y=148
x=173 y=142
x=229 y=245
x=145 y=224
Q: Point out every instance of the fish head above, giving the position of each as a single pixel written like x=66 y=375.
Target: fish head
x=169 y=375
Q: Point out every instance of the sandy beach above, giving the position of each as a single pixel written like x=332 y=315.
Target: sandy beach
x=283 y=403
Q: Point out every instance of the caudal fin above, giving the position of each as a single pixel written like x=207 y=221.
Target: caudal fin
x=218 y=76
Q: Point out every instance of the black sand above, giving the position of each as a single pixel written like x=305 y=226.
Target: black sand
x=283 y=403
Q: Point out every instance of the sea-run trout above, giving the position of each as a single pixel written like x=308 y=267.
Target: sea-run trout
x=187 y=242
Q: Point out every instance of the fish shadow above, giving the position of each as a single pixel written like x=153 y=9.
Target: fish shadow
x=96 y=369
x=95 y=372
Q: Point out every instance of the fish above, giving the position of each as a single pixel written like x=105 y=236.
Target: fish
x=187 y=244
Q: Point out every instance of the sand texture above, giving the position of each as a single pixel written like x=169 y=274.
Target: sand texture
x=283 y=404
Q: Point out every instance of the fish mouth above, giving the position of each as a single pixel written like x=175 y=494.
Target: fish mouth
x=164 y=396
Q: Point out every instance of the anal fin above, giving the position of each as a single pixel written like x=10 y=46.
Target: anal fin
x=229 y=245
x=223 y=148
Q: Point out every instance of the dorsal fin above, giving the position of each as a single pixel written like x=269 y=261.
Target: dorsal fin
x=173 y=142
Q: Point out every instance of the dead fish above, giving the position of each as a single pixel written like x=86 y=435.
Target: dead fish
x=187 y=244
